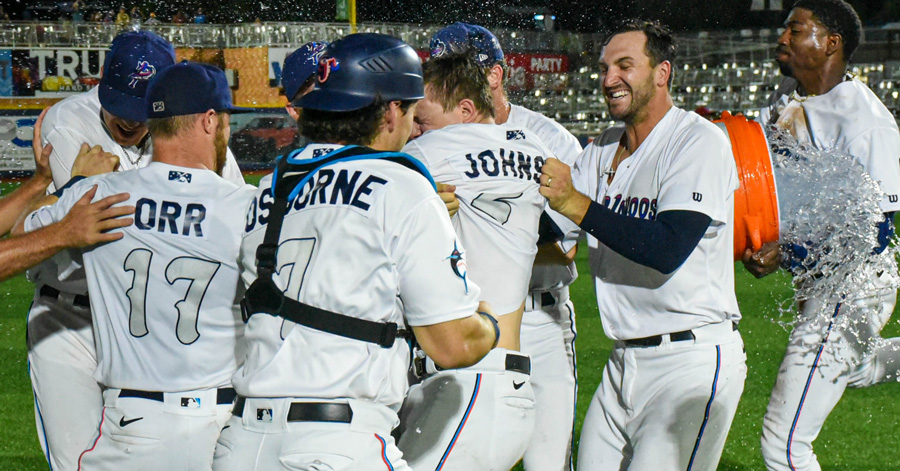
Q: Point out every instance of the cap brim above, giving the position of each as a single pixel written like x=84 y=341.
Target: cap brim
x=238 y=110
x=121 y=104
x=332 y=100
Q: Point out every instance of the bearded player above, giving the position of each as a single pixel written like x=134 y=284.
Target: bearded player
x=166 y=329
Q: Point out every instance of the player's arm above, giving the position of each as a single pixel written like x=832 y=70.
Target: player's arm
x=85 y=224
x=460 y=342
x=663 y=244
x=90 y=161
x=19 y=200
x=440 y=302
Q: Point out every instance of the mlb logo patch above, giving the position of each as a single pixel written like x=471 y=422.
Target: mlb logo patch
x=190 y=402
x=181 y=177
x=264 y=415
x=321 y=152
x=515 y=135
x=159 y=106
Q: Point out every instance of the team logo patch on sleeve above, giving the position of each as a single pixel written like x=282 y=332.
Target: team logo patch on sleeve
x=458 y=264
x=181 y=177
x=516 y=135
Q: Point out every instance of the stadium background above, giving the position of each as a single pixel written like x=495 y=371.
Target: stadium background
x=725 y=64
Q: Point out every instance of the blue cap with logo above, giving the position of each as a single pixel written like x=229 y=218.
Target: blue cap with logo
x=189 y=88
x=299 y=66
x=461 y=37
x=133 y=59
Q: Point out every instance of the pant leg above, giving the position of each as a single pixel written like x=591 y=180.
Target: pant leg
x=810 y=382
x=61 y=363
x=272 y=444
x=468 y=419
x=554 y=384
x=146 y=435
x=603 y=445
x=685 y=398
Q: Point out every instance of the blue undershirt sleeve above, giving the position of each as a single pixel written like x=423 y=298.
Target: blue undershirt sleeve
x=662 y=244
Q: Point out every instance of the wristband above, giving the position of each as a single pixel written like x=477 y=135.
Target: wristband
x=58 y=193
x=496 y=328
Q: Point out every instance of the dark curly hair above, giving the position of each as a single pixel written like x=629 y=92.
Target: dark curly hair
x=660 y=46
x=839 y=18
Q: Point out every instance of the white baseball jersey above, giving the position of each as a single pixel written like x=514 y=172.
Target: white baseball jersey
x=566 y=148
x=68 y=124
x=685 y=163
x=371 y=241
x=496 y=170
x=852 y=119
x=163 y=297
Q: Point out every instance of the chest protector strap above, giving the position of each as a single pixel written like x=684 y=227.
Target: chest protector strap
x=264 y=296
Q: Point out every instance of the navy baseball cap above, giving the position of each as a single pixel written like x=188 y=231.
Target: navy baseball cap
x=188 y=88
x=299 y=66
x=461 y=37
x=359 y=68
x=133 y=59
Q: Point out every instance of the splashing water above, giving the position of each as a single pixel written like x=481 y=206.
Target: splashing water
x=829 y=205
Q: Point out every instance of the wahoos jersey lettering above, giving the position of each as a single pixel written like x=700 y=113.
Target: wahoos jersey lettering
x=505 y=163
x=149 y=214
x=642 y=208
x=326 y=187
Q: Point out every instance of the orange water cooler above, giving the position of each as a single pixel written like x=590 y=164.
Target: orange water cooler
x=756 y=201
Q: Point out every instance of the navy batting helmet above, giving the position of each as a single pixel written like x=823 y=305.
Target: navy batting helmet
x=357 y=69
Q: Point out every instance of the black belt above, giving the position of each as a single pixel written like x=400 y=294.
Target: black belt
x=305 y=411
x=223 y=395
x=518 y=363
x=656 y=340
x=48 y=291
x=547 y=299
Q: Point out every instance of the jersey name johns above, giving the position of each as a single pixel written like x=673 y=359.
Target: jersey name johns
x=496 y=171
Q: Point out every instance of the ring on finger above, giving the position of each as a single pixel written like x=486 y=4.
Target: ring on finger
x=549 y=180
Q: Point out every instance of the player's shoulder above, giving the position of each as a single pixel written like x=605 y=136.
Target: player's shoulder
x=79 y=113
x=542 y=125
x=686 y=126
x=855 y=99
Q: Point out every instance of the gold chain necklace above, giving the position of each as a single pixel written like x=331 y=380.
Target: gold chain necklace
x=617 y=160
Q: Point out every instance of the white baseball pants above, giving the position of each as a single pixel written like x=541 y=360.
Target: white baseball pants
x=478 y=418
x=665 y=407
x=548 y=337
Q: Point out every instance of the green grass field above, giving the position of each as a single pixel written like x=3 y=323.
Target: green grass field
x=859 y=435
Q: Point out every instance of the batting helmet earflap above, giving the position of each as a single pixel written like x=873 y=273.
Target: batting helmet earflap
x=356 y=69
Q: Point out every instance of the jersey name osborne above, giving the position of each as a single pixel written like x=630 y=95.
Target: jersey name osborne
x=149 y=214
x=326 y=187
x=505 y=163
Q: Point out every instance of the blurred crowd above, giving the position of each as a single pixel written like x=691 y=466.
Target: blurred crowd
x=86 y=11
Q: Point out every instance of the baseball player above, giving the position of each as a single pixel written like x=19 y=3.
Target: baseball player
x=61 y=355
x=86 y=225
x=166 y=331
x=821 y=104
x=348 y=248
x=655 y=195
x=548 y=325
x=452 y=419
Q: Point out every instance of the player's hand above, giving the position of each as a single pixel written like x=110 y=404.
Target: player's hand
x=556 y=186
x=89 y=223
x=94 y=161
x=41 y=152
x=764 y=261
x=448 y=196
